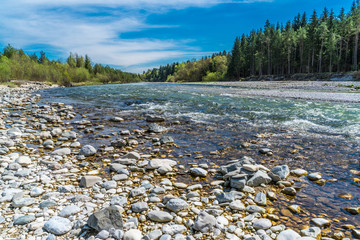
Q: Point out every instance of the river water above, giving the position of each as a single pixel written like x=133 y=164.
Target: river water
x=314 y=135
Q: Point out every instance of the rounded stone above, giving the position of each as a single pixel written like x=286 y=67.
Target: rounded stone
x=262 y=223
x=160 y=216
x=87 y=150
x=139 y=207
x=24 y=220
x=176 y=205
x=69 y=211
x=58 y=225
x=133 y=234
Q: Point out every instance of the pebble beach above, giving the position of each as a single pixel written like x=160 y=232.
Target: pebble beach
x=54 y=186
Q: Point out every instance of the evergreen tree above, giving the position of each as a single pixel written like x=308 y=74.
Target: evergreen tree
x=234 y=70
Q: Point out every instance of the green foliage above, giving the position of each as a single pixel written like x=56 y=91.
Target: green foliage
x=5 y=70
x=76 y=71
x=214 y=68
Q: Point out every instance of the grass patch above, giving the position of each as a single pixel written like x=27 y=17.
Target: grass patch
x=10 y=84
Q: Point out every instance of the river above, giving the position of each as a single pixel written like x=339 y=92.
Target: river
x=318 y=136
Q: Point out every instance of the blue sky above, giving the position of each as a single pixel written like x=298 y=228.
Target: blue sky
x=135 y=35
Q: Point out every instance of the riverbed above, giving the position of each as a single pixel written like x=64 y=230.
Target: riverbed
x=314 y=126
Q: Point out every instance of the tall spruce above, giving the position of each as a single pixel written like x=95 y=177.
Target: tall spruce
x=234 y=70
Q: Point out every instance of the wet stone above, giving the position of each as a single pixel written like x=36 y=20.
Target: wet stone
x=254 y=208
x=279 y=173
x=294 y=208
x=198 y=172
x=289 y=191
x=299 y=172
x=345 y=195
x=311 y=232
x=260 y=199
x=355 y=233
x=320 y=222
x=314 y=176
x=258 y=178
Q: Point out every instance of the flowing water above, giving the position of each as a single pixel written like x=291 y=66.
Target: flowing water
x=314 y=135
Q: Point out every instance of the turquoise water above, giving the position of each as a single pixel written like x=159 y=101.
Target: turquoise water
x=213 y=104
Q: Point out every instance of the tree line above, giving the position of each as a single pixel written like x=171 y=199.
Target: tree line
x=212 y=68
x=16 y=64
x=324 y=42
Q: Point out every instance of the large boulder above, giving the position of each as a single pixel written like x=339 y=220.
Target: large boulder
x=106 y=219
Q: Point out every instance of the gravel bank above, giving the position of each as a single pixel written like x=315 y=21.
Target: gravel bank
x=308 y=90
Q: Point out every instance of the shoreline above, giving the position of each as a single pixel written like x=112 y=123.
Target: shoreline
x=335 y=91
x=143 y=187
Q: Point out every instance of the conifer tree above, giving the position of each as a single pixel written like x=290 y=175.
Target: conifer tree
x=234 y=70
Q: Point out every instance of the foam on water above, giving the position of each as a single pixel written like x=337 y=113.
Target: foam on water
x=213 y=104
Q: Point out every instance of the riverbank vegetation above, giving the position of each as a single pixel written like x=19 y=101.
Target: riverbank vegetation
x=77 y=70
x=324 y=42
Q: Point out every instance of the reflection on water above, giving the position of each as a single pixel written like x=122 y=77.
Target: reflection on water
x=316 y=136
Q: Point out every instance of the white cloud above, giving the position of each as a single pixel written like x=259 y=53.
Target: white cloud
x=135 y=4
x=65 y=26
